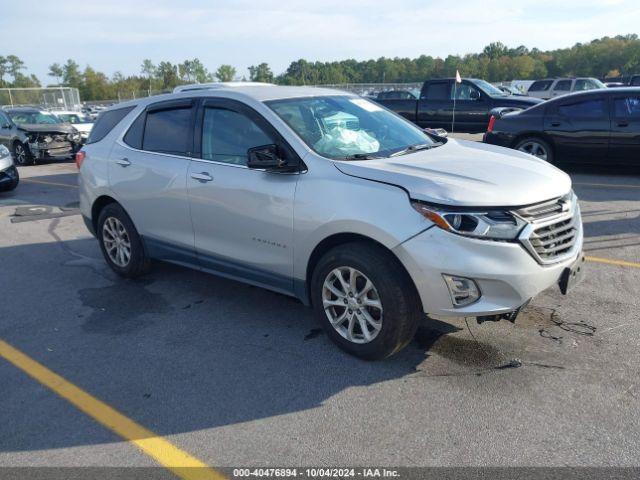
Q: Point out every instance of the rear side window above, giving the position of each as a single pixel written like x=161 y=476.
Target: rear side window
x=563 y=85
x=168 y=131
x=540 y=86
x=628 y=107
x=106 y=122
x=437 y=91
x=583 y=109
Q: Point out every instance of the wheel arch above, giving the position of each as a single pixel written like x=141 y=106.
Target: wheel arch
x=336 y=240
x=97 y=206
x=534 y=134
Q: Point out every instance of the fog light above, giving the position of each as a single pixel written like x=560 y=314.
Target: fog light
x=463 y=291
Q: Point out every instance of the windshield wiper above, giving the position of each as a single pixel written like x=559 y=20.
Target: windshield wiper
x=361 y=156
x=415 y=148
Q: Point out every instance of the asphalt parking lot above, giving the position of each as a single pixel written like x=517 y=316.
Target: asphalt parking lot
x=233 y=375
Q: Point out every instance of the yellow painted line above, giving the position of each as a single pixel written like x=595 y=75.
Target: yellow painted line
x=161 y=450
x=609 y=261
x=611 y=185
x=43 y=182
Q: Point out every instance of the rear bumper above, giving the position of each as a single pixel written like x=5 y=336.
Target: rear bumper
x=506 y=274
x=498 y=138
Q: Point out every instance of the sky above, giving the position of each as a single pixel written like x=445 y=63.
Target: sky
x=116 y=35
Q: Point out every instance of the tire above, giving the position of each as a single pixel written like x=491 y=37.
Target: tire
x=115 y=231
x=394 y=322
x=12 y=185
x=537 y=147
x=22 y=155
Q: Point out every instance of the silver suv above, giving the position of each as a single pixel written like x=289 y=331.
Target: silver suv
x=330 y=198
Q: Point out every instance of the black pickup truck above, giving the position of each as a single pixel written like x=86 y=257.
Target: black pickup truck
x=474 y=101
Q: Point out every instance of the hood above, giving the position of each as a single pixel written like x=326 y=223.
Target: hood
x=47 y=128
x=466 y=174
x=83 y=127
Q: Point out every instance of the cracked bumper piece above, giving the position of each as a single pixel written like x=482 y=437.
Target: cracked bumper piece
x=506 y=275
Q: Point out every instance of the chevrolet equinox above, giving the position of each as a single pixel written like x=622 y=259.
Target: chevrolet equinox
x=330 y=198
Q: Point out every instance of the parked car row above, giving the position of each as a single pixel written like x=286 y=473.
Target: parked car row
x=33 y=134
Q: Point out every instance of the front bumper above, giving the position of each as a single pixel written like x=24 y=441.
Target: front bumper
x=8 y=176
x=53 y=151
x=506 y=274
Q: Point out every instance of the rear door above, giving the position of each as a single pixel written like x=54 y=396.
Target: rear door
x=435 y=105
x=148 y=174
x=579 y=128
x=624 y=147
x=242 y=217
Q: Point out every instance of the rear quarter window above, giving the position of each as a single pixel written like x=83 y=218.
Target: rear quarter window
x=107 y=122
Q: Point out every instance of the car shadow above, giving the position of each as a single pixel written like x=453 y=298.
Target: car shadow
x=177 y=350
x=48 y=190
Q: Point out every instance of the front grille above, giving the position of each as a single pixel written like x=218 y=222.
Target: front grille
x=553 y=230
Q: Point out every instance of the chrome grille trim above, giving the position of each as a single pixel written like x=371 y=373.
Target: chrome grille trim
x=553 y=231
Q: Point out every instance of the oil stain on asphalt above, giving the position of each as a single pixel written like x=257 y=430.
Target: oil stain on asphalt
x=121 y=308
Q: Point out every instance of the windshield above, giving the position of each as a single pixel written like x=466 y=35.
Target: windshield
x=489 y=89
x=20 y=118
x=344 y=127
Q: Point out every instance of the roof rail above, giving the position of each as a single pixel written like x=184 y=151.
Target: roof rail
x=216 y=85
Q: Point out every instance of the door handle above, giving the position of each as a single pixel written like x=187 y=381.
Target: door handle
x=202 y=177
x=123 y=162
x=556 y=124
x=623 y=124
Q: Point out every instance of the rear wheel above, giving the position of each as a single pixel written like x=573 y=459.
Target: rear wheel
x=365 y=300
x=537 y=147
x=21 y=154
x=120 y=243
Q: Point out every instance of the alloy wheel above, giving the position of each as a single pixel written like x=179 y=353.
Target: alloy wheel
x=352 y=304
x=20 y=154
x=116 y=241
x=534 y=148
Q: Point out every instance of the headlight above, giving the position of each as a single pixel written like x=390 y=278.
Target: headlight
x=487 y=224
x=4 y=152
x=74 y=137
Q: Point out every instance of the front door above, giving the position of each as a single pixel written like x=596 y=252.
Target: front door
x=242 y=217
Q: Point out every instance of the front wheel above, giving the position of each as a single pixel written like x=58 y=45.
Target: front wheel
x=536 y=147
x=22 y=155
x=365 y=300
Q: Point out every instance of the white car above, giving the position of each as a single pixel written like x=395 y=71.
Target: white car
x=555 y=87
x=80 y=121
x=330 y=198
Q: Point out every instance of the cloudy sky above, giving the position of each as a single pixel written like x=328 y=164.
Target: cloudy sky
x=115 y=35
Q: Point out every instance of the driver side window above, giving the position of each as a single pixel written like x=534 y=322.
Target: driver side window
x=464 y=91
x=227 y=135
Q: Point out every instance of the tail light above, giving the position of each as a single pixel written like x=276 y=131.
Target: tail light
x=80 y=156
x=492 y=121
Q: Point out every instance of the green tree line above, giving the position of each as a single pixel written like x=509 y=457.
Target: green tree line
x=606 y=57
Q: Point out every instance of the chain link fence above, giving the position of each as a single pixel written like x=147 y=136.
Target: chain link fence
x=54 y=98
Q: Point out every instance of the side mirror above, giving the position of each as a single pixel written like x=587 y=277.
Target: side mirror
x=474 y=95
x=265 y=157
